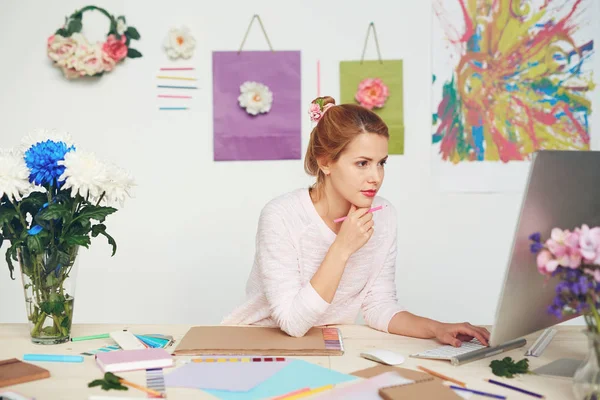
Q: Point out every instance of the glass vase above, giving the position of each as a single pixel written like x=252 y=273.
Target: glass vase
x=586 y=381
x=49 y=280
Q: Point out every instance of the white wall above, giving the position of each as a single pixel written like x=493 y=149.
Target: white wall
x=186 y=240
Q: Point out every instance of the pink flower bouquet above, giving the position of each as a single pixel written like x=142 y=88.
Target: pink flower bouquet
x=573 y=256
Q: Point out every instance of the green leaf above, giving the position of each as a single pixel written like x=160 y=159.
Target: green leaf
x=133 y=53
x=132 y=33
x=62 y=258
x=78 y=240
x=62 y=32
x=508 y=368
x=65 y=322
x=53 y=211
x=51 y=281
x=1 y=240
x=46 y=307
x=34 y=244
x=110 y=381
x=100 y=229
x=75 y=25
x=7 y=214
x=98 y=213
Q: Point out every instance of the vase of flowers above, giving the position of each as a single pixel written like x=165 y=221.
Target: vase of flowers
x=53 y=199
x=574 y=257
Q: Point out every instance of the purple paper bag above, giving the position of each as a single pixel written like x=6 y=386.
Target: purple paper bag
x=271 y=135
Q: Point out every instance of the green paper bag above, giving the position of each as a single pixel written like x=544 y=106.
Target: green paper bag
x=390 y=72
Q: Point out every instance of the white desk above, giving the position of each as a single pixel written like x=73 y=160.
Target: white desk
x=69 y=380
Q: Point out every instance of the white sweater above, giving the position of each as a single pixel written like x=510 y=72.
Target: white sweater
x=291 y=243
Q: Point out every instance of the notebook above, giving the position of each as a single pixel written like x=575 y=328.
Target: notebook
x=14 y=371
x=131 y=360
x=246 y=340
x=424 y=386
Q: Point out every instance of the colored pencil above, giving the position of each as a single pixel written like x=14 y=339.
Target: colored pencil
x=181 y=78
x=143 y=389
x=288 y=395
x=495 y=396
x=177 y=69
x=443 y=377
x=173 y=108
x=370 y=210
x=308 y=392
x=515 y=388
x=173 y=96
x=176 y=87
x=80 y=338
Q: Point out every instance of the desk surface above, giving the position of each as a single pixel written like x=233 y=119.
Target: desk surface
x=69 y=381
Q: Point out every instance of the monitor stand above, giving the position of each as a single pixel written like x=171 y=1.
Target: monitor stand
x=563 y=367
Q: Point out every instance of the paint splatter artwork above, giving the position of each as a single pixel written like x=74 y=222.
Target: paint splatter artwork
x=511 y=77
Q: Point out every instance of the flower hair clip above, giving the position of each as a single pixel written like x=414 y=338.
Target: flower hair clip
x=317 y=110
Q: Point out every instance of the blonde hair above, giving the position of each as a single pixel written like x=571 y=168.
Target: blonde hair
x=338 y=126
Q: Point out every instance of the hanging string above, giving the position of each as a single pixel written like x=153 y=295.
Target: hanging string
x=248 y=31
x=371 y=25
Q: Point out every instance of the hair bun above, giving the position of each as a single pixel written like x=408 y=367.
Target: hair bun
x=325 y=100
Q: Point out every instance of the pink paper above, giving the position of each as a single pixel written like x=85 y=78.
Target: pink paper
x=367 y=389
x=231 y=376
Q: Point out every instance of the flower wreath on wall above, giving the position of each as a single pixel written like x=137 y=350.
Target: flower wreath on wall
x=70 y=51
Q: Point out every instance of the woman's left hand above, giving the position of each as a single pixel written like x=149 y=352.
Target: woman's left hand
x=455 y=334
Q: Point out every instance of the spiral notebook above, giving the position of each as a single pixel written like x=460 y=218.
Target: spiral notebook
x=245 y=340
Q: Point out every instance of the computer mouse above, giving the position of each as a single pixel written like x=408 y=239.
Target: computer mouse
x=383 y=356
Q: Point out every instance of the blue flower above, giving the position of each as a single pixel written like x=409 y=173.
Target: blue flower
x=536 y=237
x=34 y=230
x=42 y=160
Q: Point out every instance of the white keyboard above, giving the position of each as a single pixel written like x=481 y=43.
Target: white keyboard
x=448 y=352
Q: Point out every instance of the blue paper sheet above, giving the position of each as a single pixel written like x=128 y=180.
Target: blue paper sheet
x=297 y=375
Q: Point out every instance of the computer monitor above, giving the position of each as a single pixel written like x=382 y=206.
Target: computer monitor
x=562 y=190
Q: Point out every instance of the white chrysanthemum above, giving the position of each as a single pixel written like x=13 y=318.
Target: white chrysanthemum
x=121 y=26
x=41 y=135
x=255 y=98
x=14 y=175
x=84 y=174
x=118 y=185
x=179 y=43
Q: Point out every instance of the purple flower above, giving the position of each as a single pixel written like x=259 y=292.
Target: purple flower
x=536 y=237
x=536 y=247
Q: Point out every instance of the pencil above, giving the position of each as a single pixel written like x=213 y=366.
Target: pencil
x=290 y=394
x=143 y=389
x=443 y=377
x=515 y=388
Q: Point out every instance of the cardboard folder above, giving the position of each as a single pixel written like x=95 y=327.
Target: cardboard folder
x=425 y=386
x=14 y=371
x=243 y=340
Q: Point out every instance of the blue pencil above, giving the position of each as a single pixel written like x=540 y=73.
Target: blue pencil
x=176 y=87
x=173 y=108
x=515 y=388
x=495 y=396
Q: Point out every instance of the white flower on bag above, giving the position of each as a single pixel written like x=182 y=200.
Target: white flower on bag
x=179 y=43
x=118 y=185
x=255 y=98
x=14 y=175
x=84 y=174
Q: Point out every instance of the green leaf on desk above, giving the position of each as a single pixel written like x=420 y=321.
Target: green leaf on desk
x=508 y=368
x=110 y=381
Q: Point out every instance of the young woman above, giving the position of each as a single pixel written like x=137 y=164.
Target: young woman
x=310 y=270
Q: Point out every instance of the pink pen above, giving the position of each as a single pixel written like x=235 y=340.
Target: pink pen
x=370 y=210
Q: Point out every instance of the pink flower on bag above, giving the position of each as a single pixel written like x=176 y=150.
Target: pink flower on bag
x=116 y=49
x=372 y=93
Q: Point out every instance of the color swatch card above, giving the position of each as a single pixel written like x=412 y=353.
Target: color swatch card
x=295 y=375
x=230 y=376
x=242 y=340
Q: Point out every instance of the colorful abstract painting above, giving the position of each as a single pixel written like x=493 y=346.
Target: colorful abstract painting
x=257 y=105
x=511 y=77
x=378 y=86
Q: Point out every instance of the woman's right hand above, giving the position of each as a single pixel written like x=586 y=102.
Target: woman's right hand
x=356 y=230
